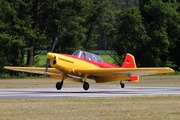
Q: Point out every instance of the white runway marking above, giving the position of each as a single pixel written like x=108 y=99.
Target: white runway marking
x=30 y=93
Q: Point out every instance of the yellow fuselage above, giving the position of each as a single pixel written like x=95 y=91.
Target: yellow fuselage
x=68 y=64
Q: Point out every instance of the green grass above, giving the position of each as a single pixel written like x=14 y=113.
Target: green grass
x=107 y=58
x=106 y=108
x=42 y=59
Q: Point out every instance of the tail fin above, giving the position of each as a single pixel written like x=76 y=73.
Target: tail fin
x=129 y=61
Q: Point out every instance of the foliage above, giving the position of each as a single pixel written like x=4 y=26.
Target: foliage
x=150 y=32
x=131 y=35
x=32 y=25
x=11 y=40
x=162 y=25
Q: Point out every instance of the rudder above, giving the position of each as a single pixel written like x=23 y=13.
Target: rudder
x=129 y=61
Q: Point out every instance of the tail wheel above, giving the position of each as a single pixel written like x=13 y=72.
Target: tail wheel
x=86 y=86
x=122 y=84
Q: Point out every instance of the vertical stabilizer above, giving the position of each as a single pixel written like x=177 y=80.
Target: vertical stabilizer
x=129 y=61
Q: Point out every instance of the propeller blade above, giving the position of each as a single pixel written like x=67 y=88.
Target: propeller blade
x=48 y=60
x=54 y=44
x=47 y=65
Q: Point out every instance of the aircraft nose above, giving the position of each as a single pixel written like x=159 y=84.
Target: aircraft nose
x=50 y=55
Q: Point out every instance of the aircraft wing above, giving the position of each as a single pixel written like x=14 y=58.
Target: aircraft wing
x=52 y=72
x=37 y=70
x=100 y=74
x=117 y=74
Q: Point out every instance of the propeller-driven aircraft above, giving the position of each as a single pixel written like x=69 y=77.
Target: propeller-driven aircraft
x=82 y=66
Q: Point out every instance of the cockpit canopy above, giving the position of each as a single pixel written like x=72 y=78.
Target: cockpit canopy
x=88 y=56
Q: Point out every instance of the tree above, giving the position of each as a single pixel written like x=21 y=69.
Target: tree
x=100 y=23
x=159 y=22
x=34 y=35
x=173 y=30
x=11 y=42
x=131 y=35
x=121 y=4
x=77 y=23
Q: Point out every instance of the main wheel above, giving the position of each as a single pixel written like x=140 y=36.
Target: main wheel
x=86 y=86
x=59 y=85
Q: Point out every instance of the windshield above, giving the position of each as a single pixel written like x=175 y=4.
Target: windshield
x=87 y=56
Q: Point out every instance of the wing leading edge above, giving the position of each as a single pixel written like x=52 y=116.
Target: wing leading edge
x=37 y=70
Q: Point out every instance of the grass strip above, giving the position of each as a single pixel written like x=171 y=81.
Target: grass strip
x=105 y=108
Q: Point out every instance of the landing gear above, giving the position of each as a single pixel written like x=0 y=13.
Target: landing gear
x=86 y=86
x=59 y=85
x=122 y=84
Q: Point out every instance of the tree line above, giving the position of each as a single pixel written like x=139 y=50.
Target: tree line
x=150 y=32
x=148 y=29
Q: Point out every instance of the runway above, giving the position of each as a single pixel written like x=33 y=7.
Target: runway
x=31 y=93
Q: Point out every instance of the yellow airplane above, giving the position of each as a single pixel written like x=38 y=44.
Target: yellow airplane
x=82 y=66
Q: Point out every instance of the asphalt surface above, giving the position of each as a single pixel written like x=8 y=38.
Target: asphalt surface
x=31 y=93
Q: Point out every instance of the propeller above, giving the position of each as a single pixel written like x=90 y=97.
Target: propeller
x=48 y=60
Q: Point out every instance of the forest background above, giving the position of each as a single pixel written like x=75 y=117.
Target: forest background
x=148 y=29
